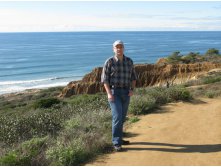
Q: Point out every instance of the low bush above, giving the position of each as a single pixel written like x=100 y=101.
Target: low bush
x=66 y=154
x=212 y=51
x=212 y=55
x=177 y=93
x=212 y=93
x=84 y=135
x=93 y=101
x=26 y=154
x=41 y=123
x=174 y=58
x=211 y=79
x=209 y=90
x=146 y=100
x=159 y=94
x=46 y=103
x=141 y=104
x=133 y=119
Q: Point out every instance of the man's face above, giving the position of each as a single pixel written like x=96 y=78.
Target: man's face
x=119 y=50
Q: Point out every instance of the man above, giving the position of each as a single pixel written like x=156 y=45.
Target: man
x=119 y=80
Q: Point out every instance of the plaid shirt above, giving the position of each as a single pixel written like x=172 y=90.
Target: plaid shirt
x=117 y=73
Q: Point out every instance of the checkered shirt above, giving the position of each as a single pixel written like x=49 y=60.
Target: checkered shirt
x=117 y=73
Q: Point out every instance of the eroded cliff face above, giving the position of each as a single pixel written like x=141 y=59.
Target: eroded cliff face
x=148 y=75
x=162 y=75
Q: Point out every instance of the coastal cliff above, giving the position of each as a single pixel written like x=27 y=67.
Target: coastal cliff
x=159 y=74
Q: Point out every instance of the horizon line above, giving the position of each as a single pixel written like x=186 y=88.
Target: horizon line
x=111 y=31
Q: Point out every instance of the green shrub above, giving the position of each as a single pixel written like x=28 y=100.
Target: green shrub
x=46 y=103
x=25 y=154
x=191 y=57
x=158 y=93
x=175 y=57
x=133 y=119
x=210 y=79
x=84 y=135
x=16 y=129
x=91 y=101
x=67 y=154
x=212 y=93
x=145 y=100
x=178 y=93
x=212 y=55
x=212 y=51
x=9 y=159
x=141 y=104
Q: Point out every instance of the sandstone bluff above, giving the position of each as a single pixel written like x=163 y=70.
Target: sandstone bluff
x=158 y=74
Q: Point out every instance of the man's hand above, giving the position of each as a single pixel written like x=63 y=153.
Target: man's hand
x=110 y=97
x=130 y=93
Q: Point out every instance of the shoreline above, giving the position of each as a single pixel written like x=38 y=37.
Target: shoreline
x=16 y=87
x=27 y=92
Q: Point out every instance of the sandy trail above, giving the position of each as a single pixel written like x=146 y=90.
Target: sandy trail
x=180 y=134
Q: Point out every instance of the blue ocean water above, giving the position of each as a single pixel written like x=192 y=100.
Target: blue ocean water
x=46 y=59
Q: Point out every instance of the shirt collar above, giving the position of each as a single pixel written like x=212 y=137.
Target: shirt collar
x=116 y=58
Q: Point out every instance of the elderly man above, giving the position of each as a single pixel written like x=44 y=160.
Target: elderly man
x=119 y=80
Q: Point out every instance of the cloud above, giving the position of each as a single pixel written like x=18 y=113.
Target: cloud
x=217 y=7
x=35 y=20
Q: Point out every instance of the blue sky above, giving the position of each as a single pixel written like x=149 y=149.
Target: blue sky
x=32 y=16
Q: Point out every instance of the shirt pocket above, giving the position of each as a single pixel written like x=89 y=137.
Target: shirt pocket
x=113 y=71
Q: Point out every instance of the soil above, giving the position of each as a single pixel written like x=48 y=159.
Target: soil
x=179 y=134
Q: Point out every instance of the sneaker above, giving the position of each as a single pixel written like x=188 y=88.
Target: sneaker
x=117 y=148
x=125 y=142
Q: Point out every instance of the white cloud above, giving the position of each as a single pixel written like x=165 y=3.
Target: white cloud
x=36 y=20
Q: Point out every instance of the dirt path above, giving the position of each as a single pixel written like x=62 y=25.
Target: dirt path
x=182 y=134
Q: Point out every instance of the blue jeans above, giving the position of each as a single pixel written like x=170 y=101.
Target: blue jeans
x=119 y=109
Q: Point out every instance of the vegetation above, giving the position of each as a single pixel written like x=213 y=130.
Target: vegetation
x=211 y=79
x=211 y=90
x=77 y=128
x=51 y=131
x=146 y=100
x=211 y=55
x=206 y=86
x=212 y=51
x=25 y=153
x=46 y=103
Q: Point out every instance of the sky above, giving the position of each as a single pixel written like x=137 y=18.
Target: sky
x=62 y=16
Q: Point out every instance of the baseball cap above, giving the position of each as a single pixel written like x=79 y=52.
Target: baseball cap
x=118 y=42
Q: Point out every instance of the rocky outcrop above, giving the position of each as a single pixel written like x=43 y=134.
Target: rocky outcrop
x=165 y=75
x=89 y=84
x=159 y=74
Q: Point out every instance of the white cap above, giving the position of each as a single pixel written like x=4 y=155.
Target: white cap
x=118 y=42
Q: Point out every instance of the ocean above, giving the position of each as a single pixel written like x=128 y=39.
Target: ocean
x=48 y=59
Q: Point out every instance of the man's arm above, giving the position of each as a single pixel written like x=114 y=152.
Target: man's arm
x=109 y=93
x=132 y=88
x=105 y=77
x=133 y=85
